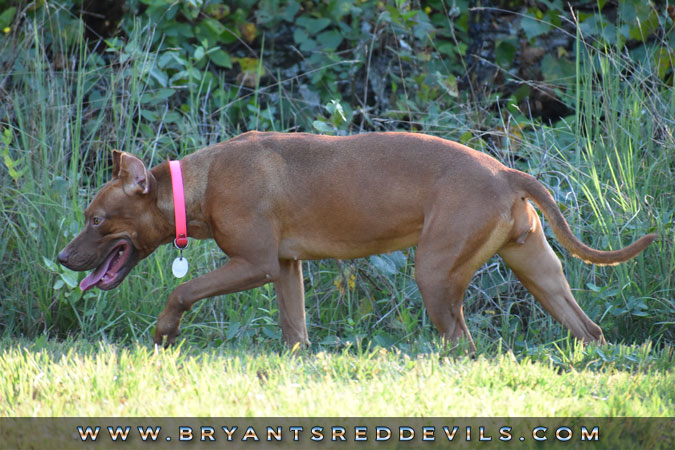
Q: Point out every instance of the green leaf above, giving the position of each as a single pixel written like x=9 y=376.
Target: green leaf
x=423 y=28
x=157 y=95
x=172 y=117
x=330 y=40
x=171 y=60
x=322 y=127
x=533 y=27
x=313 y=26
x=609 y=33
x=446 y=47
x=663 y=61
x=504 y=53
x=179 y=30
x=590 y=27
x=217 y=11
x=7 y=17
x=220 y=58
x=523 y=92
x=335 y=109
x=301 y=38
x=199 y=53
x=160 y=76
x=211 y=30
x=272 y=333
x=466 y=137
x=163 y=94
x=150 y=116
x=398 y=258
x=644 y=29
x=70 y=278
x=49 y=264
x=383 y=265
x=291 y=10
x=384 y=339
x=593 y=287
x=189 y=75
x=557 y=70
x=232 y=330
x=10 y=164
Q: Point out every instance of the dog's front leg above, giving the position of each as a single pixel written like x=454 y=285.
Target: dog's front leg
x=237 y=275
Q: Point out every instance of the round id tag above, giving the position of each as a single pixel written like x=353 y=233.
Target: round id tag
x=179 y=267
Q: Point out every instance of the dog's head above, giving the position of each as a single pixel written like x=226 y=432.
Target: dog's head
x=118 y=230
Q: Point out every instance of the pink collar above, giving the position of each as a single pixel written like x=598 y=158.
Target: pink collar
x=181 y=240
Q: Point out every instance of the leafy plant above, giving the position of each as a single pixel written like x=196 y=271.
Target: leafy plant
x=581 y=98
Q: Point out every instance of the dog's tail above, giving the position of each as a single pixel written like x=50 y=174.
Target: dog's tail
x=535 y=191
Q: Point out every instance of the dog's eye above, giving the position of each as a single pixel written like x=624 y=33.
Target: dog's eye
x=96 y=221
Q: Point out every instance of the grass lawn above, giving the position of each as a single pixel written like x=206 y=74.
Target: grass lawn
x=77 y=378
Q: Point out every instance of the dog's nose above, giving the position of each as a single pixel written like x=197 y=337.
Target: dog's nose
x=63 y=256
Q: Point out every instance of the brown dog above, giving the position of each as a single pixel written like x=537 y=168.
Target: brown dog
x=271 y=200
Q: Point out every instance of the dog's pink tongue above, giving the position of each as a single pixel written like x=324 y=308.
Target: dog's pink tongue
x=94 y=277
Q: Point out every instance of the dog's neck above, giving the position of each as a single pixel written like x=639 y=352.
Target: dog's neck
x=194 y=188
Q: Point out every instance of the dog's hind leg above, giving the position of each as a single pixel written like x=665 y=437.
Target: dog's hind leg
x=291 y=300
x=539 y=269
x=443 y=293
x=449 y=252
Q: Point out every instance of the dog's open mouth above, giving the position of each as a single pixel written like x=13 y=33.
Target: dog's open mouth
x=113 y=269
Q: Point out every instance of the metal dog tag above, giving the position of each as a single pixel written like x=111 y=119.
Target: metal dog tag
x=179 y=267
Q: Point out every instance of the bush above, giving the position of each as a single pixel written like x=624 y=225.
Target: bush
x=583 y=100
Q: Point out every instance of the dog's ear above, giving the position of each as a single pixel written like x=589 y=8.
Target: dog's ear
x=117 y=154
x=132 y=172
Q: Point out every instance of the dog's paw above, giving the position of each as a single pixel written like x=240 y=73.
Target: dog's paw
x=166 y=331
x=164 y=340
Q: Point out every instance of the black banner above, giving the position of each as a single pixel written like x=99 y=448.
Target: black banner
x=337 y=432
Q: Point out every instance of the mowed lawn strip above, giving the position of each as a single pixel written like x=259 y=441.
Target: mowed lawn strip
x=77 y=378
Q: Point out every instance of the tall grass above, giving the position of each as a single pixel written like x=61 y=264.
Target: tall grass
x=610 y=167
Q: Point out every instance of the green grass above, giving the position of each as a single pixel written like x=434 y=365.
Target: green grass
x=77 y=378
